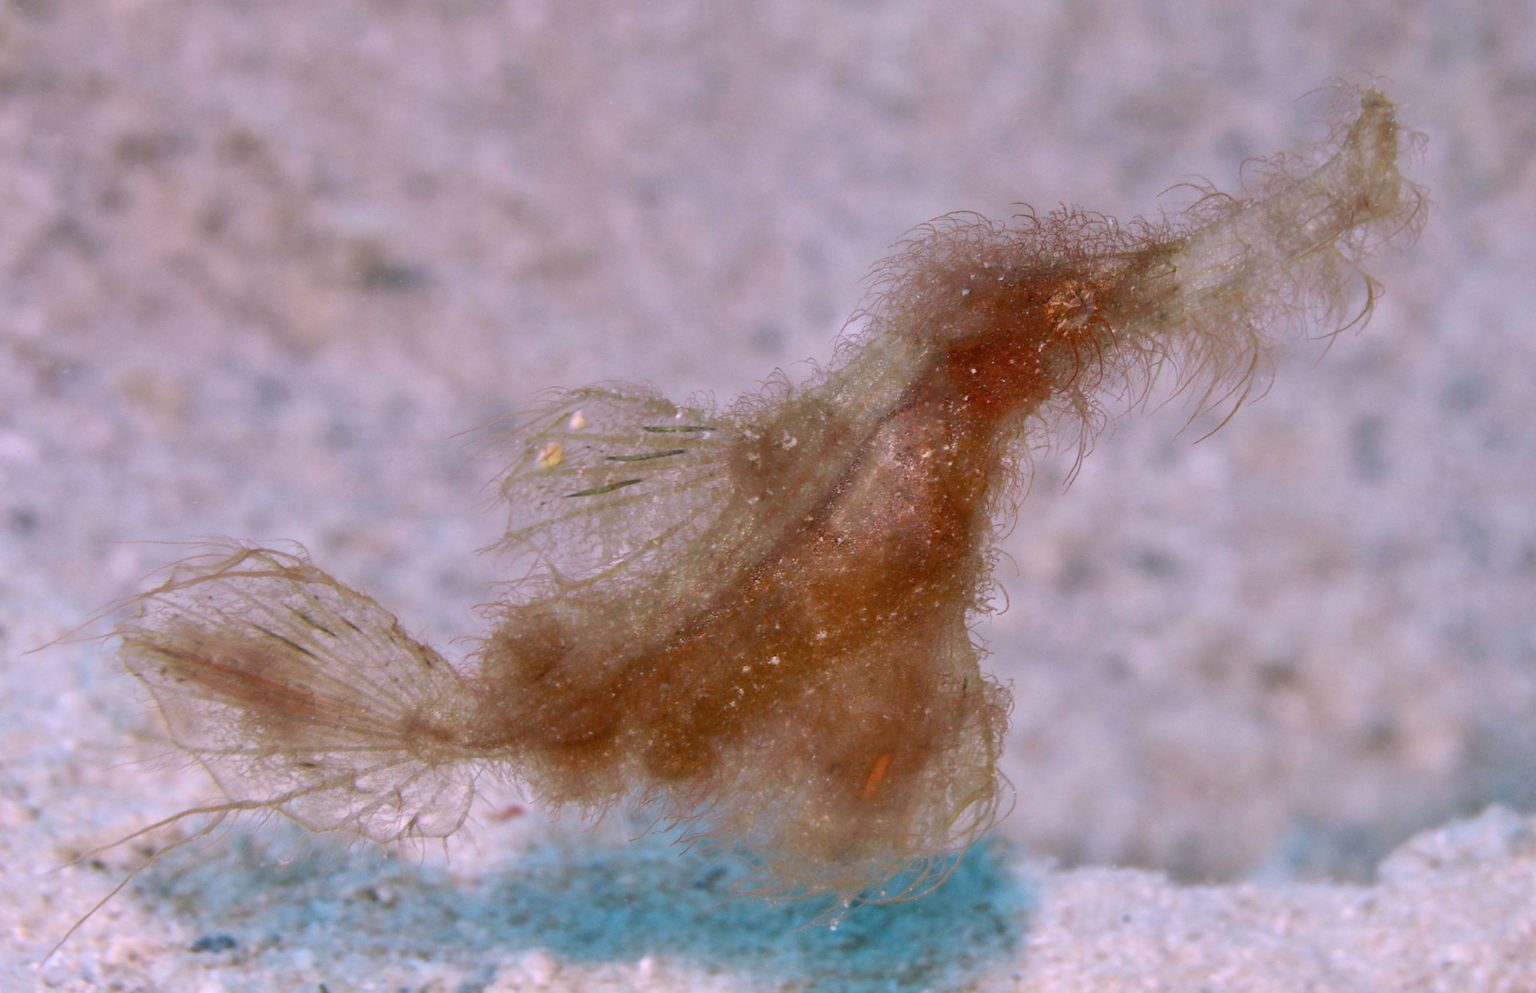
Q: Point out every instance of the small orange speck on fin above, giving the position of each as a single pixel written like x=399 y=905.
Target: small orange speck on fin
x=551 y=455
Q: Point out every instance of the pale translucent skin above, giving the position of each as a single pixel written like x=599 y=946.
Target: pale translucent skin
x=756 y=620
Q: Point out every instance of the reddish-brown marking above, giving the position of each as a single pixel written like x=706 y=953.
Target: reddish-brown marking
x=876 y=776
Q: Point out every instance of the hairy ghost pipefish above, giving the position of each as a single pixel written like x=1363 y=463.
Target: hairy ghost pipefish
x=754 y=619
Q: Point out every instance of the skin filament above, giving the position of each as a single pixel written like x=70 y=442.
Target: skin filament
x=755 y=621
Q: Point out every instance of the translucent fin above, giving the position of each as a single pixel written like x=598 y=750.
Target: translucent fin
x=303 y=696
x=605 y=479
x=895 y=772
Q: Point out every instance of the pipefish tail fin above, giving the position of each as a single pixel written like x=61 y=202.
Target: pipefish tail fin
x=605 y=480
x=302 y=696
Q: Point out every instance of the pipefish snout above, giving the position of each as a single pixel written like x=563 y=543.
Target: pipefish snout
x=756 y=619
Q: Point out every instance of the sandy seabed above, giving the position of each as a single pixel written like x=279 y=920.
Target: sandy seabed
x=260 y=264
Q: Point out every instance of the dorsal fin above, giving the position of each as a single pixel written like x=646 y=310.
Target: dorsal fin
x=603 y=479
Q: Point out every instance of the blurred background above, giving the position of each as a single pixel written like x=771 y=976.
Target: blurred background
x=261 y=263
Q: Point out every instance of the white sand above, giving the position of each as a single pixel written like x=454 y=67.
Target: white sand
x=260 y=263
